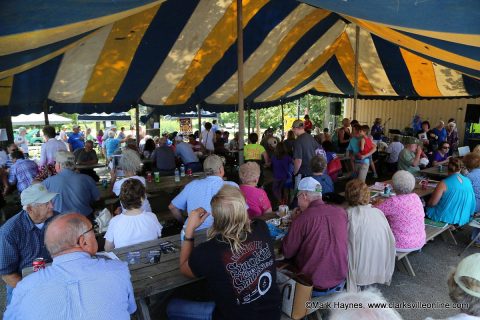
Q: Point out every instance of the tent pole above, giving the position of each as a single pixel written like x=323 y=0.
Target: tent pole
x=137 y=124
x=241 y=111
x=199 y=115
x=283 y=123
x=257 y=121
x=298 y=109
x=355 y=82
x=45 y=112
x=249 y=116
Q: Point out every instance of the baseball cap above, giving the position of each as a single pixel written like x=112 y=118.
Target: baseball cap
x=76 y=127
x=36 y=193
x=297 y=124
x=212 y=164
x=22 y=129
x=468 y=267
x=309 y=184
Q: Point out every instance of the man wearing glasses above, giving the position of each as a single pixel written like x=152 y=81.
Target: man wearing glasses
x=21 y=237
x=317 y=241
x=75 y=286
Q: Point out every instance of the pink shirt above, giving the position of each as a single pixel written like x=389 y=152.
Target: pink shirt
x=256 y=199
x=406 y=218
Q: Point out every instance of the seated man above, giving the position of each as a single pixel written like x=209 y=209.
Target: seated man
x=86 y=156
x=21 y=237
x=75 y=286
x=22 y=172
x=164 y=158
x=198 y=193
x=185 y=152
x=76 y=191
x=317 y=240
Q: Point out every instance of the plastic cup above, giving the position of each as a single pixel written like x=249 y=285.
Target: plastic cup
x=157 y=176
x=154 y=256
x=133 y=257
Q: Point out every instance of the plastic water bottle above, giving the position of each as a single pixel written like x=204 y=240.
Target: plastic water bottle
x=182 y=171
x=177 y=175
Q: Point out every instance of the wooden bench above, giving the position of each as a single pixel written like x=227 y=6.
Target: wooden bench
x=402 y=261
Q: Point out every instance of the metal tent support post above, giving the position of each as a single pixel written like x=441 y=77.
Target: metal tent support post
x=249 y=119
x=241 y=113
x=137 y=124
x=298 y=109
x=355 y=82
x=283 y=122
x=199 y=114
x=45 y=112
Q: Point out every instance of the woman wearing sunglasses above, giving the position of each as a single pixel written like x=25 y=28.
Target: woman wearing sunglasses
x=441 y=156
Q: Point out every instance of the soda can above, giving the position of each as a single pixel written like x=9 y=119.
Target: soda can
x=149 y=177
x=105 y=183
x=38 y=263
x=189 y=172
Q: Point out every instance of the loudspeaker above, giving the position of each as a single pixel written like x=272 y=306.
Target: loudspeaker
x=336 y=108
x=473 y=113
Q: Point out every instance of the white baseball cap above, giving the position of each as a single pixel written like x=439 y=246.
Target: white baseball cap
x=310 y=184
x=36 y=193
x=468 y=267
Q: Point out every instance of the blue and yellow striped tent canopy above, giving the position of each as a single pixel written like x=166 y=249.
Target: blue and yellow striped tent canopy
x=106 y=56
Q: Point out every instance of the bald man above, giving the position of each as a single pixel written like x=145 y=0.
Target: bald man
x=75 y=286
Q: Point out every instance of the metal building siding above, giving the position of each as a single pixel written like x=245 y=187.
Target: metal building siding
x=401 y=112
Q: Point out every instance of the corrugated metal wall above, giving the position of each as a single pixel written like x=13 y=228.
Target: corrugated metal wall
x=401 y=112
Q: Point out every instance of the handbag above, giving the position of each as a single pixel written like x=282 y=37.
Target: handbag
x=296 y=290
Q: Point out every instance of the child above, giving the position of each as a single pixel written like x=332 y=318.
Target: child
x=282 y=165
x=366 y=144
x=256 y=198
x=318 y=165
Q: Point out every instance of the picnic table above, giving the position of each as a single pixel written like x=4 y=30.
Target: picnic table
x=435 y=172
x=89 y=166
x=151 y=279
x=418 y=189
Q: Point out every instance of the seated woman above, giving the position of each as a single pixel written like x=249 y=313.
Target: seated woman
x=130 y=164
x=134 y=224
x=404 y=213
x=256 y=198
x=472 y=162
x=441 y=155
x=453 y=200
x=371 y=245
x=235 y=245
x=318 y=164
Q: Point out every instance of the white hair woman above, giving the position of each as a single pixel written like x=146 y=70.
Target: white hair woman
x=130 y=163
x=452 y=137
x=371 y=245
x=234 y=246
x=404 y=213
x=256 y=198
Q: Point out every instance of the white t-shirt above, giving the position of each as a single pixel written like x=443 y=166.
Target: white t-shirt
x=394 y=150
x=207 y=139
x=118 y=185
x=21 y=142
x=126 y=230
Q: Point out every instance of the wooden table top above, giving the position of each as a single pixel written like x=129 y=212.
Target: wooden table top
x=150 y=279
x=89 y=166
x=434 y=171
x=418 y=189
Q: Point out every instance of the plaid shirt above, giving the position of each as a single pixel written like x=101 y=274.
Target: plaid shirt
x=22 y=173
x=21 y=241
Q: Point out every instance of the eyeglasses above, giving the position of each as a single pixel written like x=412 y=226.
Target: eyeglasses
x=446 y=148
x=78 y=239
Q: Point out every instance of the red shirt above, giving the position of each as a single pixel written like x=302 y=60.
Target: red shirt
x=307 y=125
x=368 y=146
x=318 y=243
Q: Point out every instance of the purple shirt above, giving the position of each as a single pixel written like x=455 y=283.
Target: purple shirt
x=281 y=167
x=406 y=218
x=318 y=243
x=438 y=157
x=22 y=174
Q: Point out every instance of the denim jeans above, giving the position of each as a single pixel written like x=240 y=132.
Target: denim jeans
x=179 y=309
x=338 y=288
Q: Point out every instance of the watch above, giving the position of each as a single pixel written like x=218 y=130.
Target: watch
x=188 y=239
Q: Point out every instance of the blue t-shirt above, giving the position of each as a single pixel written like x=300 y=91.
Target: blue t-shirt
x=282 y=168
x=442 y=134
x=111 y=145
x=354 y=147
x=326 y=183
x=75 y=139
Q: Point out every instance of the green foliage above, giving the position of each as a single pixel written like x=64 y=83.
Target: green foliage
x=271 y=117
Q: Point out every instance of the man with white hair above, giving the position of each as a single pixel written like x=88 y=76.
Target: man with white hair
x=21 y=237
x=21 y=141
x=317 y=240
x=111 y=144
x=76 y=191
x=75 y=286
x=199 y=193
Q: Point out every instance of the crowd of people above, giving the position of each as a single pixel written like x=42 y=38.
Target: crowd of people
x=341 y=243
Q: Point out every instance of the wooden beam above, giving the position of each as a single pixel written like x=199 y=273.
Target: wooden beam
x=283 y=123
x=45 y=112
x=137 y=124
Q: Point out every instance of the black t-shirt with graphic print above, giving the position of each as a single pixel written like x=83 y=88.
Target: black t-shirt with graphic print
x=244 y=284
